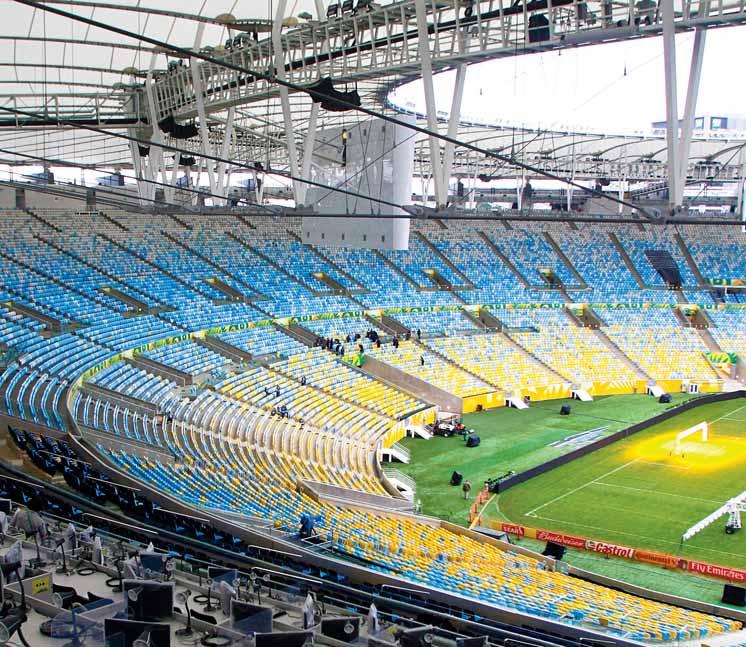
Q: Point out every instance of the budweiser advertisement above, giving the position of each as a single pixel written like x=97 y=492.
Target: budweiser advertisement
x=625 y=552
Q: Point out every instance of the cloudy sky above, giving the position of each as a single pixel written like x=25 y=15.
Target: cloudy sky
x=613 y=87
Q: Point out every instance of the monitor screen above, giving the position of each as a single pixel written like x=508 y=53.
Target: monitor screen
x=152 y=563
x=153 y=600
x=344 y=629
x=123 y=633
x=480 y=641
x=250 y=619
x=283 y=639
x=227 y=575
x=6 y=505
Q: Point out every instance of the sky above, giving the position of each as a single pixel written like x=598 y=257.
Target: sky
x=615 y=87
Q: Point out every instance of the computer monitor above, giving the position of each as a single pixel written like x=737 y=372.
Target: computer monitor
x=147 y=600
x=415 y=637
x=218 y=574
x=250 y=619
x=124 y=633
x=6 y=505
x=344 y=629
x=480 y=641
x=152 y=563
x=283 y=639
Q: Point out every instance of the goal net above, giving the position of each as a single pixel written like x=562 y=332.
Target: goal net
x=702 y=428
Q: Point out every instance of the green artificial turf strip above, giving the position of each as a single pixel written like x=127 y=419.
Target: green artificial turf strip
x=648 y=576
x=618 y=496
x=512 y=440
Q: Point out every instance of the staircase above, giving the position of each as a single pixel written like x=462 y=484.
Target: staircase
x=44 y=221
x=504 y=259
x=627 y=260
x=456 y=365
x=315 y=250
x=565 y=260
x=467 y=282
x=270 y=262
x=689 y=259
x=113 y=221
x=620 y=355
x=546 y=367
x=180 y=222
x=205 y=259
x=162 y=270
x=397 y=270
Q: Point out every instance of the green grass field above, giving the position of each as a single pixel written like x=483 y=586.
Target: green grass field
x=512 y=440
x=636 y=492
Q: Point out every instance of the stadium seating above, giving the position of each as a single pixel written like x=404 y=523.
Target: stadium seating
x=242 y=440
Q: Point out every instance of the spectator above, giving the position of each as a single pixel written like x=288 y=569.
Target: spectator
x=422 y=360
x=28 y=519
x=419 y=335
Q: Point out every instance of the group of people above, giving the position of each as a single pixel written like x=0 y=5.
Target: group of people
x=334 y=345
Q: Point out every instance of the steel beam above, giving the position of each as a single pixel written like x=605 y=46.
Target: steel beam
x=204 y=135
x=441 y=192
x=692 y=93
x=454 y=120
x=672 y=110
x=287 y=115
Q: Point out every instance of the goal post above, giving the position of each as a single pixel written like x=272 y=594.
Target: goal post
x=702 y=428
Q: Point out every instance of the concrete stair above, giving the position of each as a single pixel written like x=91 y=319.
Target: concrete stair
x=627 y=260
x=43 y=221
x=270 y=262
x=219 y=268
x=563 y=257
x=504 y=259
x=157 y=267
x=397 y=269
x=689 y=259
x=328 y=261
x=113 y=221
x=92 y=265
x=456 y=365
x=620 y=355
x=528 y=353
x=467 y=282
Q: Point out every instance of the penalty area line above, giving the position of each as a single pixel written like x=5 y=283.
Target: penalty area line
x=532 y=513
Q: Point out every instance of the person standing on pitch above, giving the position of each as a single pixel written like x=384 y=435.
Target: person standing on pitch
x=466 y=487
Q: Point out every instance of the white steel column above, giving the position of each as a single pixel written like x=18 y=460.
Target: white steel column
x=204 y=135
x=441 y=192
x=692 y=93
x=313 y=119
x=287 y=116
x=156 y=164
x=225 y=151
x=453 y=122
x=308 y=151
x=672 y=111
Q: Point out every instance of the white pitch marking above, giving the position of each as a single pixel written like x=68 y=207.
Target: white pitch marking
x=585 y=485
x=678 y=496
x=728 y=414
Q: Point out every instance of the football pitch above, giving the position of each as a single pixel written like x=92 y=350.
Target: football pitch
x=644 y=491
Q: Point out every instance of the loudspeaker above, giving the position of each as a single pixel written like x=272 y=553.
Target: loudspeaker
x=555 y=551
x=665 y=398
x=473 y=441
x=734 y=595
x=456 y=478
x=565 y=410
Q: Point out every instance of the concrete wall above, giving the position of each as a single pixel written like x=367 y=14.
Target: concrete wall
x=419 y=388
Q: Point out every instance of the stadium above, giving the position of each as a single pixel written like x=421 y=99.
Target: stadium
x=387 y=323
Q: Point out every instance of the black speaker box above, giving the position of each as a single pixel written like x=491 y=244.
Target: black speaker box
x=456 y=478
x=735 y=595
x=665 y=398
x=555 y=551
x=565 y=410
